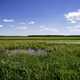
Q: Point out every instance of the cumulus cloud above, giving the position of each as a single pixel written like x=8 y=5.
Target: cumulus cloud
x=31 y=22
x=8 y=20
x=1 y=26
x=43 y=28
x=73 y=17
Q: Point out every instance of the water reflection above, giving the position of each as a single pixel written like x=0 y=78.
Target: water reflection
x=27 y=51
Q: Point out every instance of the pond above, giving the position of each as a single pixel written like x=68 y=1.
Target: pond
x=27 y=51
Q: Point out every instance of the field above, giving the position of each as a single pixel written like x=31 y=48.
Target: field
x=40 y=58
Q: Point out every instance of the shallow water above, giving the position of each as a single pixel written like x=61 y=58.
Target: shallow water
x=27 y=51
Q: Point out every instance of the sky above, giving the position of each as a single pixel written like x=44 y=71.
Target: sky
x=39 y=17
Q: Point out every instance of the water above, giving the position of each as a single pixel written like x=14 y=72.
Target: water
x=36 y=51
x=26 y=51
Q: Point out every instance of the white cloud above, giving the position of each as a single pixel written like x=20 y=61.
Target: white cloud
x=22 y=23
x=75 y=28
x=31 y=22
x=12 y=26
x=22 y=28
x=43 y=28
x=1 y=26
x=73 y=17
x=8 y=20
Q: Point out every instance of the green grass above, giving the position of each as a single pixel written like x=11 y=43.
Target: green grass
x=61 y=63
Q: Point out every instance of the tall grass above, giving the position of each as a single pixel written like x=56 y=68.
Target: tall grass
x=61 y=63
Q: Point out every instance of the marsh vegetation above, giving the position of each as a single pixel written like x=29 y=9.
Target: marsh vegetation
x=39 y=60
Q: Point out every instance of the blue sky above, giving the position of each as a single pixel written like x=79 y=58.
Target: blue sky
x=27 y=17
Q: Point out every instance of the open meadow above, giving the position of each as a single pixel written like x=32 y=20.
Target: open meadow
x=40 y=58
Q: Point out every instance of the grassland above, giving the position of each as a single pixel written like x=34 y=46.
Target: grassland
x=62 y=61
